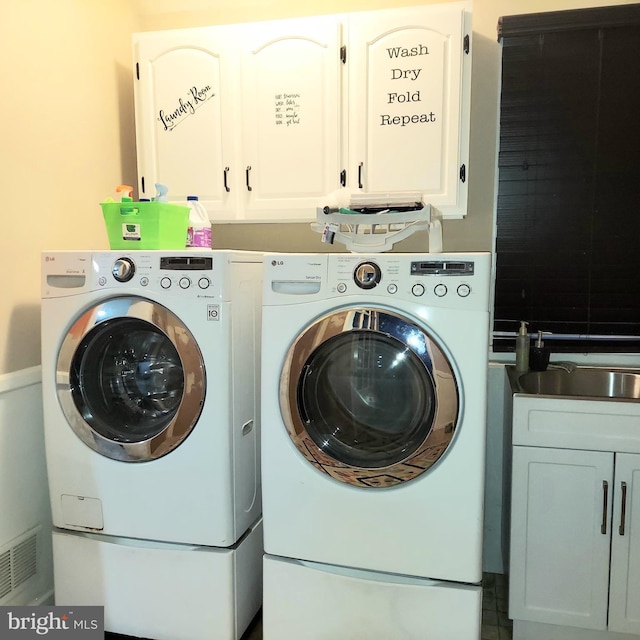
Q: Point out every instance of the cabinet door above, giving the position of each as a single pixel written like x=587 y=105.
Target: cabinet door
x=409 y=101
x=624 y=591
x=291 y=100
x=560 y=536
x=185 y=115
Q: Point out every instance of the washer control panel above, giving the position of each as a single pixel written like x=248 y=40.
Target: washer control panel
x=178 y=273
x=187 y=274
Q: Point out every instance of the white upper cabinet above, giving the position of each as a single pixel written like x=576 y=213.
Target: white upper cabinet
x=409 y=98
x=187 y=107
x=291 y=98
x=262 y=121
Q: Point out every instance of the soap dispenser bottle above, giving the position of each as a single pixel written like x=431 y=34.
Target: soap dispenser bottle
x=539 y=356
x=523 y=344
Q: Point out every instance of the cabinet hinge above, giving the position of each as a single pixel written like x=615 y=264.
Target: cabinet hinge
x=343 y=178
x=138 y=70
x=463 y=173
x=465 y=45
x=343 y=54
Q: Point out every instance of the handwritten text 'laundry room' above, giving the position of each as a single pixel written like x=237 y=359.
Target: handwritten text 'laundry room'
x=196 y=97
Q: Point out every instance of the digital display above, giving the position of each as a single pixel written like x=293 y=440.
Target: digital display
x=441 y=268
x=186 y=263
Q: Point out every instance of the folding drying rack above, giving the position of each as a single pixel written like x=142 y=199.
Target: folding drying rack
x=374 y=223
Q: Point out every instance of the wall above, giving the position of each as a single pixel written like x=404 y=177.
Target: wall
x=67 y=139
x=23 y=492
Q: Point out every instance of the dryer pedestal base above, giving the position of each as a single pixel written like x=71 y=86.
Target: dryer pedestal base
x=318 y=601
x=162 y=591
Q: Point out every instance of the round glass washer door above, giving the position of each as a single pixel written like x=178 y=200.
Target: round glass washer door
x=130 y=379
x=369 y=397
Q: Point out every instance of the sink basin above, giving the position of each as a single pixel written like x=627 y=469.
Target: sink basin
x=585 y=382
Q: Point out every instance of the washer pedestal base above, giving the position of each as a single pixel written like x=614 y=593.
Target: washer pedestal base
x=158 y=590
x=318 y=602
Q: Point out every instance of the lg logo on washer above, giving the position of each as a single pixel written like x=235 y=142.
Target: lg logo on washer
x=281 y=263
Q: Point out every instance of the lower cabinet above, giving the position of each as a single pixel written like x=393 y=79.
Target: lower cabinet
x=624 y=585
x=575 y=538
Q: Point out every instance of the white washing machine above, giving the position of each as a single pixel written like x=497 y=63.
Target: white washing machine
x=374 y=390
x=150 y=367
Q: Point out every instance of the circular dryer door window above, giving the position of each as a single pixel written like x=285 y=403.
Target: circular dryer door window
x=130 y=379
x=369 y=397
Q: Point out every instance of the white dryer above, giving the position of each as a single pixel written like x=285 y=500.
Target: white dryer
x=374 y=390
x=149 y=376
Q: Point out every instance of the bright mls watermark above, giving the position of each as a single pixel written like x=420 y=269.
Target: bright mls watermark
x=52 y=623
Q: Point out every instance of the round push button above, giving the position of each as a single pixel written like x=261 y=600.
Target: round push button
x=464 y=290
x=440 y=290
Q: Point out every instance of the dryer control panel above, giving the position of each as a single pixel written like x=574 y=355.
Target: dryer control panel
x=455 y=281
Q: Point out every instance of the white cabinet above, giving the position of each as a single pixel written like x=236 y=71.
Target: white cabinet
x=264 y=120
x=246 y=117
x=409 y=76
x=575 y=523
x=291 y=100
x=624 y=590
x=559 y=553
x=186 y=100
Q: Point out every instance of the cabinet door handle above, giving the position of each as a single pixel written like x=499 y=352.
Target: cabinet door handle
x=248 y=184
x=605 y=501
x=226 y=186
x=360 y=175
x=623 y=511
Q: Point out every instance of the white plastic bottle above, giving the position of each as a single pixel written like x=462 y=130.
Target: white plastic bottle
x=199 y=231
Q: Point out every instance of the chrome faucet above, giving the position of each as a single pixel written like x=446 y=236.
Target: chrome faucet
x=569 y=367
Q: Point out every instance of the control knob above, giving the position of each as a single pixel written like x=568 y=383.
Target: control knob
x=123 y=269
x=367 y=275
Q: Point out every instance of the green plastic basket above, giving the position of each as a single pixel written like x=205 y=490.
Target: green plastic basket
x=146 y=225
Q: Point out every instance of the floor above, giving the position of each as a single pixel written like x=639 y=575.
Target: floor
x=495 y=623
x=495 y=600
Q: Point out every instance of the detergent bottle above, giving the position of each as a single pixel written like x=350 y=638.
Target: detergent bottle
x=199 y=231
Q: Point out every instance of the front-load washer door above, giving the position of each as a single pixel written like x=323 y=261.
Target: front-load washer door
x=369 y=397
x=130 y=379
